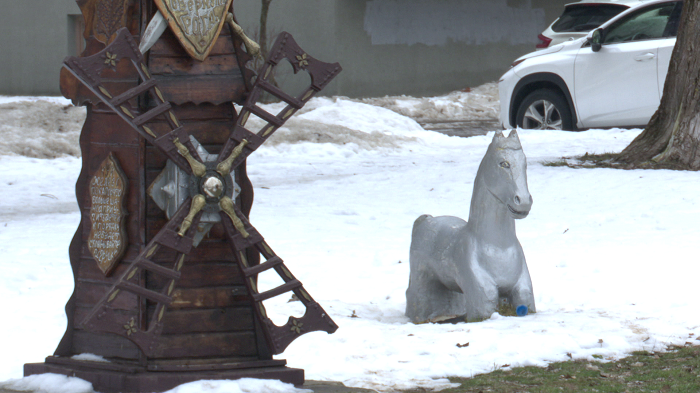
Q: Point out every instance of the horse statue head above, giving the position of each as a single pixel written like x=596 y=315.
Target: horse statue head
x=503 y=172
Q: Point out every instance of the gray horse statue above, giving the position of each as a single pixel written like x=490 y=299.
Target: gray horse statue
x=465 y=270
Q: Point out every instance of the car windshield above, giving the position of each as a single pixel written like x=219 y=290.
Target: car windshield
x=585 y=17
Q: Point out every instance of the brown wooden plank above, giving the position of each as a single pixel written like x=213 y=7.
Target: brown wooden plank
x=229 y=319
x=82 y=311
x=169 y=46
x=154 y=225
x=132 y=251
x=208 y=251
x=129 y=366
x=89 y=270
x=104 y=344
x=217 y=232
x=205 y=112
x=212 y=363
x=89 y=293
x=217 y=297
x=206 y=345
x=80 y=94
x=215 y=89
x=214 y=65
x=113 y=130
x=200 y=275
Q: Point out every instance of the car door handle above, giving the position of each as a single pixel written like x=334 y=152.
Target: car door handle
x=644 y=57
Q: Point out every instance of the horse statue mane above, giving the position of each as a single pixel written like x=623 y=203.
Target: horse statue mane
x=466 y=270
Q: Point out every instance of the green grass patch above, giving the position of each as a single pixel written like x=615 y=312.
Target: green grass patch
x=506 y=310
x=677 y=370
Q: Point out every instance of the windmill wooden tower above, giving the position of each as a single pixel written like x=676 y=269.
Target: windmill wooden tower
x=165 y=260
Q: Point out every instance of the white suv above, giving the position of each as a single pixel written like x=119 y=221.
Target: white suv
x=612 y=78
x=580 y=18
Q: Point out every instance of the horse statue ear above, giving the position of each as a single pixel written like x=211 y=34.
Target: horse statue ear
x=513 y=134
x=498 y=135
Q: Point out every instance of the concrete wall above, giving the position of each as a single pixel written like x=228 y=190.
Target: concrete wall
x=35 y=39
x=415 y=47
x=386 y=47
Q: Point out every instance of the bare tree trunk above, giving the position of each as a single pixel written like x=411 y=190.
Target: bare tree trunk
x=672 y=136
x=264 y=47
x=263 y=27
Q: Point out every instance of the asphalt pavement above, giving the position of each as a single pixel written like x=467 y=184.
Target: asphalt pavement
x=462 y=128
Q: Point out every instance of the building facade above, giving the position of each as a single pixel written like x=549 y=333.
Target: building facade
x=386 y=47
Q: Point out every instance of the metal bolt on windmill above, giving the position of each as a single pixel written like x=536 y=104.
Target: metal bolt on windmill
x=165 y=259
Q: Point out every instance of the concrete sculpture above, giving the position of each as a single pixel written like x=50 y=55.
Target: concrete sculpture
x=466 y=270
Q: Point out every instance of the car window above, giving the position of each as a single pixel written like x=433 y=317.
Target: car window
x=674 y=21
x=648 y=23
x=585 y=17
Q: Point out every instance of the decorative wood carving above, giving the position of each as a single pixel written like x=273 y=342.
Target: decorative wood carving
x=196 y=24
x=173 y=312
x=107 y=241
x=203 y=174
x=103 y=18
x=110 y=16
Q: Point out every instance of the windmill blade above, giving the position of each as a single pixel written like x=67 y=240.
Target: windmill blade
x=177 y=235
x=241 y=235
x=242 y=142
x=174 y=142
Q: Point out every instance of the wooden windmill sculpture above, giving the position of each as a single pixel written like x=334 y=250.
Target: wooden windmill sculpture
x=165 y=259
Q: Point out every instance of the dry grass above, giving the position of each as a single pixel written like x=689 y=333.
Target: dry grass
x=674 y=370
x=40 y=129
x=610 y=160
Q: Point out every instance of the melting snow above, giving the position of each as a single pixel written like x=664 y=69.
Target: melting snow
x=611 y=252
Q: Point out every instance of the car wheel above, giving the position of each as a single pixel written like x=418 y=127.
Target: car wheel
x=544 y=109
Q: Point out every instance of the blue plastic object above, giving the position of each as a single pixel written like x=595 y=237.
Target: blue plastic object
x=521 y=311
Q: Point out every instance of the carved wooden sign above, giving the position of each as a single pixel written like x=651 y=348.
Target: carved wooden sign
x=108 y=17
x=196 y=23
x=107 y=241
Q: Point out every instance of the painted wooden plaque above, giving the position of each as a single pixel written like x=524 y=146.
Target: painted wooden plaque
x=107 y=241
x=196 y=23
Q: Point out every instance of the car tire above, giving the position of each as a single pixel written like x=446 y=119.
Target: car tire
x=544 y=109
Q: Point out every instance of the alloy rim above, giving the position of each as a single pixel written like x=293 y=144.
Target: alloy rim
x=542 y=115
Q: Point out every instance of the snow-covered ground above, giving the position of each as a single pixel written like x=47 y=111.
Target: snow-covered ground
x=612 y=253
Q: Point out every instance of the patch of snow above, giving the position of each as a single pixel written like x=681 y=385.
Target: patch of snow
x=48 y=383
x=608 y=251
x=40 y=129
x=480 y=103
x=91 y=357
x=244 y=385
x=55 y=383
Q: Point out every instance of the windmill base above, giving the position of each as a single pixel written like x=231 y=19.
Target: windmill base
x=114 y=378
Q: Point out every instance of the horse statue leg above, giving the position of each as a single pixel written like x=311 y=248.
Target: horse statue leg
x=433 y=294
x=479 y=287
x=522 y=293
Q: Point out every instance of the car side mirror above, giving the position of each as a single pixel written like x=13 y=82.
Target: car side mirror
x=595 y=38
